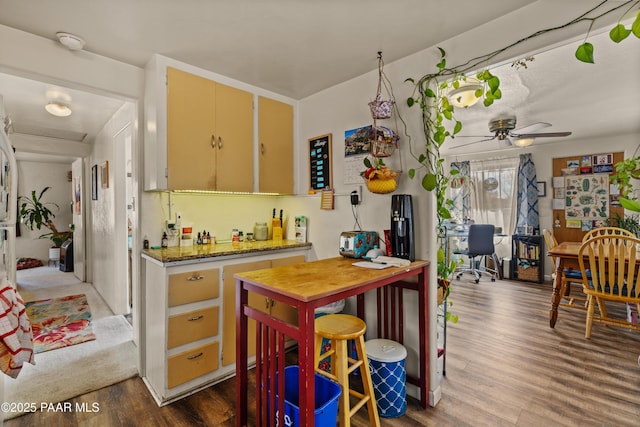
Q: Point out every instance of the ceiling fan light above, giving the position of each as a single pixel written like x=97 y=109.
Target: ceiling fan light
x=464 y=96
x=58 y=109
x=523 y=142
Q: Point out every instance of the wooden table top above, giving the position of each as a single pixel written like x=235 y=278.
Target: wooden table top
x=565 y=249
x=312 y=280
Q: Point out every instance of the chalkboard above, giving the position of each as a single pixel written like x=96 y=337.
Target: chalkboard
x=320 y=163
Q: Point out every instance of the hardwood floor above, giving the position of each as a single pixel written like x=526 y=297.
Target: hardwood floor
x=505 y=367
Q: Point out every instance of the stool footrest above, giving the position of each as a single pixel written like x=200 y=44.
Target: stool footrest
x=355 y=364
x=363 y=400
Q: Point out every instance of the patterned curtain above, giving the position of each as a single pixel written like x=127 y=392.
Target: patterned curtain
x=460 y=193
x=527 y=194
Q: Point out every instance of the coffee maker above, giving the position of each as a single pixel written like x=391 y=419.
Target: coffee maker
x=402 y=240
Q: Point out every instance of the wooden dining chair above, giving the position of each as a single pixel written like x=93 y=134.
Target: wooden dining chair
x=614 y=263
x=567 y=277
x=606 y=231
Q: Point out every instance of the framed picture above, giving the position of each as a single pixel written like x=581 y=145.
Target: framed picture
x=94 y=182
x=104 y=174
x=542 y=188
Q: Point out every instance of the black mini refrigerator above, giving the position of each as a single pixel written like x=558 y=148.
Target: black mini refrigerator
x=402 y=240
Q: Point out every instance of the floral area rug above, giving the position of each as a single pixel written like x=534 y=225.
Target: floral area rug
x=60 y=322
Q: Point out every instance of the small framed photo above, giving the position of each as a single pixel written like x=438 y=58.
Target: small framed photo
x=104 y=174
x=94 y=182
x=542 y=188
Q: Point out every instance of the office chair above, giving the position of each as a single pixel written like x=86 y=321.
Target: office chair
x=480 y=244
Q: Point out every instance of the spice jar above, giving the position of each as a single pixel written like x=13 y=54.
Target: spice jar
x=260 y=231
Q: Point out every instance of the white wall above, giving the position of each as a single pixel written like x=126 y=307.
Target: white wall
x=36 y=176
x=108 y=238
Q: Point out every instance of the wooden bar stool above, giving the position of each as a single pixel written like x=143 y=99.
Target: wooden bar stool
x=338 y=329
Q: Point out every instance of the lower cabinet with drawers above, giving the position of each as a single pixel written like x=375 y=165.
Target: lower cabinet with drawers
x=185 y=347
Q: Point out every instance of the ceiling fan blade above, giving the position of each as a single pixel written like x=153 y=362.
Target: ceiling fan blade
x=539 y=135
x=471 y=143
x=533 y=127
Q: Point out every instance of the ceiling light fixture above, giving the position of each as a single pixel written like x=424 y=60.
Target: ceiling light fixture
x=58 y=109
x=522 y=142
x=464 y=96
x=71 y=41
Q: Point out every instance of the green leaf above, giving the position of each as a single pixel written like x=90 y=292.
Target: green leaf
x=447 y=114
x=632 y=205
x=367 y=162
x=422 y=157
x=454 y=172
x=584 y=53
x=442 y=63
x=488 y=101
x=444 y=213
x=429 y=93
x=458 y=127
x=412 y=173
x=619 y=33
x=410 y=102
x=635 y=27
x=442 y=52
x=494 y=83
x=429 y=182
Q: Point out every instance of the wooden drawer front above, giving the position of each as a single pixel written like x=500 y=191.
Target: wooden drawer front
x=192 y=326
x=193 y=286
x=191 y=364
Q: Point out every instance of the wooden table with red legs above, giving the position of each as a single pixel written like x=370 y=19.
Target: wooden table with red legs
x=307 y=286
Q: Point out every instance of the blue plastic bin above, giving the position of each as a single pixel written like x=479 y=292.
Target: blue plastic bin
x=326 y=402
x=388 y=375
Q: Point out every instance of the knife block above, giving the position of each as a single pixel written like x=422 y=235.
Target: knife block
x=276 y=226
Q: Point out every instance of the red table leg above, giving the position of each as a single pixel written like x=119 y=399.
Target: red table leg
x=242 y=298
x=306 y=366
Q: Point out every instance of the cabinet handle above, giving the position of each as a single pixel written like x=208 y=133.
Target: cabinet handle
x=195 y=356
x=266 y=303
x=273 y=302
x=195 y=278
x=194 y=318
x=220 y=143
x=213 y=141
x=262 y=149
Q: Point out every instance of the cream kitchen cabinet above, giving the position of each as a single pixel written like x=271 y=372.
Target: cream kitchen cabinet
x=275 y=139
x=197 y=131
x=182 y=333
x=200 y=135
x=185 y=305
x=279 y=310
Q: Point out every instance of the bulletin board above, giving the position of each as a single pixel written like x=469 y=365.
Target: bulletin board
x=320 y=166
x=591 y=198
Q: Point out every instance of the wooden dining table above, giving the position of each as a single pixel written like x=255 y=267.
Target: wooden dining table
x=307 y=286
x=566 y=256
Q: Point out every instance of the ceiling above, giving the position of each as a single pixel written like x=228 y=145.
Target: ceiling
x=291 y=47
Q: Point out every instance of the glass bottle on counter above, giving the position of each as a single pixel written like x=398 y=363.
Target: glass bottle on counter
x=165 y=240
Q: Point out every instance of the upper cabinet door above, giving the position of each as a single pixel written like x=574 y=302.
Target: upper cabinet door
x=191 y=126
x=275 y=150
x=234 y=139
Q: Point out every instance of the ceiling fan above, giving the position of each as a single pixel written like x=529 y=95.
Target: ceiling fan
x=504 y=129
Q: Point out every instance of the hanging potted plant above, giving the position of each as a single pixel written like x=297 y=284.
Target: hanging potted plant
x=626 y=172
x=379 y=178
x=35 y=214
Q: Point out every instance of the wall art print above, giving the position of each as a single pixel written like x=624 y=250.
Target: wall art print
x=586 y=197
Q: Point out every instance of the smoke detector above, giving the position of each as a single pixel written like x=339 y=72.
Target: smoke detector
x=71 y=41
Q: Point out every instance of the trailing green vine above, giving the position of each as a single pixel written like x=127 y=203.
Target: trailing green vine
x=430 y=94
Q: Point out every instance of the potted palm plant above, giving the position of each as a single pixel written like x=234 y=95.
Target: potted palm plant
x=36 y=214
